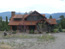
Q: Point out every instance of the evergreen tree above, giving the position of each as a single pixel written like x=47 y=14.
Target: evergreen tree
x=50 y=17
x=6 y=20
x=62 y=23
x=0 y=19
x=62 y=16
x=0 y=22
x=25 y=13
x=6 y=26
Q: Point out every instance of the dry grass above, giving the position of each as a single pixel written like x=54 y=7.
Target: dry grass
x=23 y=41
x=4 y=46
x=20 y=36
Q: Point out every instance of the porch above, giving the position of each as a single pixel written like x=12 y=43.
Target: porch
x=23 y=28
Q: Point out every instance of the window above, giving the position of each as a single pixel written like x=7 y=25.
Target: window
x=25 y=19
x=17 y=19
x=50 y=21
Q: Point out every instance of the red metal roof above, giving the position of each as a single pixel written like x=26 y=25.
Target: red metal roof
x=18 y=16
x=22 y=23
x=51 y=21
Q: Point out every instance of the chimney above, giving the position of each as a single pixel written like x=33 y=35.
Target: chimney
x=12 y=13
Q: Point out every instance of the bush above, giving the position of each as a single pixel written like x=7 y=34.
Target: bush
x=31 y=31
x=47 y=32
x=14 y=32
x=60 y=29
x=55 y=30
x=63 y=30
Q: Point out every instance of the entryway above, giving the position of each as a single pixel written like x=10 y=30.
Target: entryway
x=31 y=29
x=14 y=28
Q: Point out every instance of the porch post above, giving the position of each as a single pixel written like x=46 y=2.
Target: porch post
x=11 y=27
x=17 y=27
x=27 y=29
x=35 y=27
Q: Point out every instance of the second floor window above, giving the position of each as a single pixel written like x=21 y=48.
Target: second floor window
x=17 y=19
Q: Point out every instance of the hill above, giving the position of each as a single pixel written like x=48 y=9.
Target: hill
x=54 y=15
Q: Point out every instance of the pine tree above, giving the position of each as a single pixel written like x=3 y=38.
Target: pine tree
x=50 y=17
x=62 y=22
x=6 y=26
x=62 y=16
x=6 y=20
x=0 y=22
x=0 y=19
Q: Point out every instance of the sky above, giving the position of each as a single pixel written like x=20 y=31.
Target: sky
x=42 y=6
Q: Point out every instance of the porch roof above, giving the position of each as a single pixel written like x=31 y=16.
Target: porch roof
x=51 y=21
x=22 y=23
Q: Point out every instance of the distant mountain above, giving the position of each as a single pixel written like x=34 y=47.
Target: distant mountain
x=8 y=14
x=47 y=15
x=57 y=15
x=54 y=15
x=4 y=14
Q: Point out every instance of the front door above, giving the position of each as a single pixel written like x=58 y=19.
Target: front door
x=31 y=29
x=14 y=28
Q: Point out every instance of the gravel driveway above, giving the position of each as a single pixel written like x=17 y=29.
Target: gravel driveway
x=59 y=43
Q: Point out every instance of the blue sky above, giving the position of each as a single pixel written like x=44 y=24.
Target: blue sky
x=42 y=6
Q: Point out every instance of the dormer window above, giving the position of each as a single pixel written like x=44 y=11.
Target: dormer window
x=17 y=19
x=50 y=21
x=25 y=19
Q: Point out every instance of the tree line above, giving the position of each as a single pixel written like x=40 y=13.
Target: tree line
x=62 y=22
x=4 y=24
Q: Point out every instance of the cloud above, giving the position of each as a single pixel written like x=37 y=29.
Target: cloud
x=61 y=0
x=47 y=6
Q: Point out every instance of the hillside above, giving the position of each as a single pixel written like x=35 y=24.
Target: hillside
x=54 y=15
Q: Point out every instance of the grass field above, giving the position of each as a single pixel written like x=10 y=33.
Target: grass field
x=23 y=41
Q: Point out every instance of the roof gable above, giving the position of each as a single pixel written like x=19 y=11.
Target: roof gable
x=35 y=13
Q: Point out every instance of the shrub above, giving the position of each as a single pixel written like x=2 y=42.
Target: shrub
x=31 y=31
x=14 y=32
x=55 y=30
x=60 y=29
x=47 y=32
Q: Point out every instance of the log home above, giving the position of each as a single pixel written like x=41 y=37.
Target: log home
x=33 y=21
